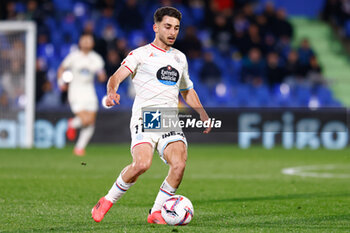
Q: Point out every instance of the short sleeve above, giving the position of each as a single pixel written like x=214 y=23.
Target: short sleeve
x=185 y=82
x=131 y=61
x=68 y=61
x=99 y=63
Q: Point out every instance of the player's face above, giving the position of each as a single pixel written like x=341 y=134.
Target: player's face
x=167 y=30
x=86 y=43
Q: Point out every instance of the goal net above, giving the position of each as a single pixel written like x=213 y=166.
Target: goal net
x=17 y=83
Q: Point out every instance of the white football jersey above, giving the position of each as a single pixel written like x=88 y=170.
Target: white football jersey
x=157 y=76
x=84 y=68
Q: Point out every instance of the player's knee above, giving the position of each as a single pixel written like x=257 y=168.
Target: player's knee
x=84 y=121
x=142 y=167
x=89 y=121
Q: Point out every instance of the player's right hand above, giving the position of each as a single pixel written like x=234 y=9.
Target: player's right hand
x=112 y=99
x=63 y=87
x=204 y=117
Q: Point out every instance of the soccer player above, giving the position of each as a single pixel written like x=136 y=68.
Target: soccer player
x=81 y=66
x=154 y=87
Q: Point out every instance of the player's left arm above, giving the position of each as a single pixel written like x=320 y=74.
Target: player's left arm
x=192 y=99
x=190 y=95
x=100 y=71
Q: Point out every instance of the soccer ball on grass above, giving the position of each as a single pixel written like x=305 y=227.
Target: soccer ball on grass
x=177 y=210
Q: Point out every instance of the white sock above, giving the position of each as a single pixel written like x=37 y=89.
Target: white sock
x=118 y=189
x=76 y=122
x=164 y=193
x=85 y=136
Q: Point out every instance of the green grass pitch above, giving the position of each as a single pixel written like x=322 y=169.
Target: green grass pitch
x=232 y=190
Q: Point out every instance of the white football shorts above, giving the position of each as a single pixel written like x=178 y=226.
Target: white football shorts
x=158 y=140
x=83 y=105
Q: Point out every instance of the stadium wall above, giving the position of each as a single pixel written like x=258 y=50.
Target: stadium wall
x=113 y=127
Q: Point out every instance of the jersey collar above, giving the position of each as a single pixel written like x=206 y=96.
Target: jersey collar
x=154 y=46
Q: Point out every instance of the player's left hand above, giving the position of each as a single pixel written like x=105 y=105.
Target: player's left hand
x=112 y=99
x=204 y=117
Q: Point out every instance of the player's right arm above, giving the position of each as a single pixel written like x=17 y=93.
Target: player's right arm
x=127 y=67
x=61 y=84
x=66 y=64
x=113 y=84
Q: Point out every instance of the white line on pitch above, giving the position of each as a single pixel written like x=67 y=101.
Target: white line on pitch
x=309 y=171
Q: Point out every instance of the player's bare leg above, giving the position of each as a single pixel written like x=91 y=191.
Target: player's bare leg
x=142 y=160
x=176 y=155
x=88 y=119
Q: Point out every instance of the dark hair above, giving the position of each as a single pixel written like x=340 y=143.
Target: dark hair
x=166 y=11
x=86 y=34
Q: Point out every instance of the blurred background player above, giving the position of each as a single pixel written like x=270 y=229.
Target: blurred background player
x=159 y=73
x=76 y=74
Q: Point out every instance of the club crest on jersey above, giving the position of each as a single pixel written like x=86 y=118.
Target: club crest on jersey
x=168 y=75
x=84 y=71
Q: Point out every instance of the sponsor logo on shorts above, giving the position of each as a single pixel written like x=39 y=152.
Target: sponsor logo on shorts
x=172 y=133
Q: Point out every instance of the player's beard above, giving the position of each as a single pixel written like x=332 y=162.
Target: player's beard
x=164 y=40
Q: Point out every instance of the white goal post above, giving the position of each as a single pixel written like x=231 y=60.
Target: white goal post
x=24 y=32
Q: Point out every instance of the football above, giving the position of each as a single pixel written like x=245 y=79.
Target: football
x=177 y=210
